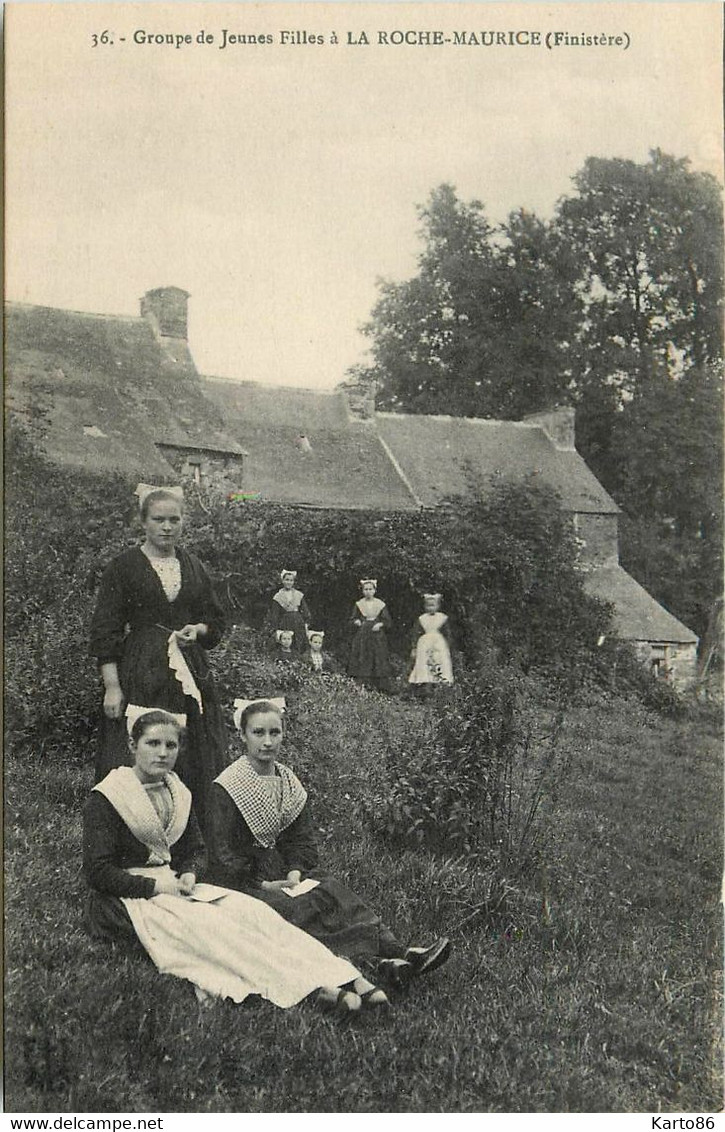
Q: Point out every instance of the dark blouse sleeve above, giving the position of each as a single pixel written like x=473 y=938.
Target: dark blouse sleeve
x=230 y=844
x=385 y=617
x=187 y=855
x=102 y=828
x=273 y=618
x=111 y=614
x=305 y=611
x=296 y=844
x=212 y=613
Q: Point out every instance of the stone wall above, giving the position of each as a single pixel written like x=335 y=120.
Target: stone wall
x=359 y=392
x=205 y=467
x=674 y=663
x=559 y=426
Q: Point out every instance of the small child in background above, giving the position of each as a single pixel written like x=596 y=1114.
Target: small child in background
x=430 y=652
x=316 y=637
x=285 y=638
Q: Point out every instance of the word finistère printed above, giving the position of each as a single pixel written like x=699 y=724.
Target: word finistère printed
x=411 y=37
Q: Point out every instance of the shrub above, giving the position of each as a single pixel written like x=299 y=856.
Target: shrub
x=476 y=784
x=504 y=564
x=628 y=674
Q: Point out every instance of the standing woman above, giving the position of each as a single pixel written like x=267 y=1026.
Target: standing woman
x=369 y=658
x=290 y=612
x=431 y=653
x=156 y=615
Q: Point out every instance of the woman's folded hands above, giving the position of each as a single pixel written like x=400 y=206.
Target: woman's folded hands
x=171 y=885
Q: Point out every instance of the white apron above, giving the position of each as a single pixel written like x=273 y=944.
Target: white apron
x=432 y=655
x=226 y=943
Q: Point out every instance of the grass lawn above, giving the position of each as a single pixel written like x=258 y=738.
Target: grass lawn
x=597 y=987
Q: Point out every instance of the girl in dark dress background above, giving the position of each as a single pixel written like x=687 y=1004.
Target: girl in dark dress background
x=155 y=617
x=369 y=662
x=289 y=611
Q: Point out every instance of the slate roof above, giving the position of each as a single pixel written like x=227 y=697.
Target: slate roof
x=74 y=372
x=90 y=374
x=440 y=455
x=637 y=616
x=340 y=463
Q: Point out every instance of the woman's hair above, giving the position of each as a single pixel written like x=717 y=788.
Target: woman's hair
x=259 y=707
x=154 y=497
x=150 y=719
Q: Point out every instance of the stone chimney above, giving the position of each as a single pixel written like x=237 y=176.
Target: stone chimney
x=558 y=424
x=166 y=309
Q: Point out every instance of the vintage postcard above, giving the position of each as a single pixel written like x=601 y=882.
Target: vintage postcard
x=363 y=395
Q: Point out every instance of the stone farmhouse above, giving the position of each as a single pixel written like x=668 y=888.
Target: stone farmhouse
x=123 y=393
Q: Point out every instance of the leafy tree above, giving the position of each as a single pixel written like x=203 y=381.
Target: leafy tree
x=667 y=448
x=615 y=306
x=648 y=239
x=625 y=283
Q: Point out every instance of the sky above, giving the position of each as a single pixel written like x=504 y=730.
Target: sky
x=276 y=182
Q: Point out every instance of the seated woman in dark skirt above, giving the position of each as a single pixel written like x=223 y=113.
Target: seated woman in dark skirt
x=261 y=841
x=141 y=848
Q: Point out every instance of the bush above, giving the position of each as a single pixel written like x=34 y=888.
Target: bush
x=630 y=675
x=61 y=529
x=504 y=564
x=476 y=783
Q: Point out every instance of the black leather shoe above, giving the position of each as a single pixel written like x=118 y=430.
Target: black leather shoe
x=423 y=960
x=397 y=972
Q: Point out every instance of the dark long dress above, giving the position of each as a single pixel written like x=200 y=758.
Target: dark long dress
x=109 y=849
x=331 y=912
x=131 y=627
x=289 y=610
x=369 y=658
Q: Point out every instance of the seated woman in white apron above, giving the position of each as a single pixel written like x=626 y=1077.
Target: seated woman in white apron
x=141 y=848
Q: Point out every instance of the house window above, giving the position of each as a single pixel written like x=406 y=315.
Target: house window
x=193 y=468
x=659 y=662
x=203 y=465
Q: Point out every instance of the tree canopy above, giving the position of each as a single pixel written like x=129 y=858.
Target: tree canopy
x=614 y=306
x=471 y=331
